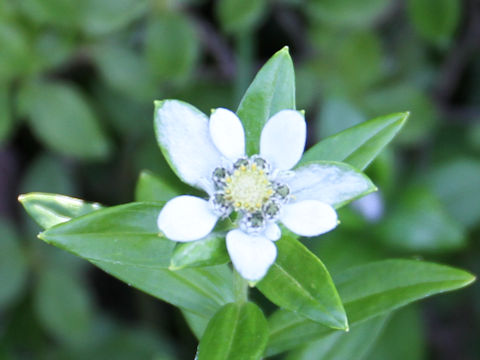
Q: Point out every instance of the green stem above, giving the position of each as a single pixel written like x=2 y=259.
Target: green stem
x=240 y=288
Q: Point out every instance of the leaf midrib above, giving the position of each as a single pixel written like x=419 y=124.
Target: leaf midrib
x=295 y=322
x=364 y=142
x=309 y=295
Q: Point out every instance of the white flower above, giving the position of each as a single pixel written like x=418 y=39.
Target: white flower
x=261 y=189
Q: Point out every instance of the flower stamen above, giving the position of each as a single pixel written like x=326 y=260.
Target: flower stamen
x=248 y=189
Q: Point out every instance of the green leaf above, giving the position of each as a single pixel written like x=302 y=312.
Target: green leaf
x=125 y=70
x=340 y=345
x=359 y=145
x=106 y=16
x=201 y=291
x=399 y=281
x=272 y=90
x=153 y=188
x=63 y=120
x=403 y=337
x=52 y=49
x=63 y=306
x=237 y=16
x=347 y=13
x=16 y=55
x=367 y=291
x=420 y=222
x=435 y=20
x=13 y=265
x=456 y=183
x=197 y=323
x=236 y=332
x=124 y=234
x=171 y=46
x=298 y=281
x=332 y=247
x=205 y=252
x=52 y=209
x=60 y=13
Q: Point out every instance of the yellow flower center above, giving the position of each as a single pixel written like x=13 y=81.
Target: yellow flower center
x=248 y=188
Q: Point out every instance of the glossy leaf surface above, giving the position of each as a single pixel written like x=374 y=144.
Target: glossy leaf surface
x=272 y=90
x=368 y=291
x=340 y=345
x=236 y=332
x=52 y=209
x=298 y=281
x=358 y=145
x=201 y=291
x=205 y=252
x=125 y=234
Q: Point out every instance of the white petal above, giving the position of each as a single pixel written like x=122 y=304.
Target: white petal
x=309 y=217
x=273 y=231
x=332 y=183
x=251 y=255
x=227 y=133
x=186 y=218
x=183 y=134
x=283 y=139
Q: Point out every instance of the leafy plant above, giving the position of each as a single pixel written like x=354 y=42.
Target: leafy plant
x=314 y=308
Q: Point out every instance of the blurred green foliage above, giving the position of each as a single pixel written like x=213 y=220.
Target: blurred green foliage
x=77 y=81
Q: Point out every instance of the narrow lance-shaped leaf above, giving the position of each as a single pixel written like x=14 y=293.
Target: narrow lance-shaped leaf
x=205 y=252
x=404 y=336
x=298 y=281
x=63 y=120
x=360 y=144
x=209 y=251
x=236 y=332
x=368 y=291
x=52 y=209
x=125 y=234
x=197 y=323
x=201 y=292
x=340 y=345
x=272 y=90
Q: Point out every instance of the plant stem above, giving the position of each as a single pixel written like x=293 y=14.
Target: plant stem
x=240 y=288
